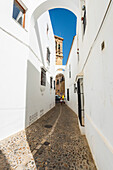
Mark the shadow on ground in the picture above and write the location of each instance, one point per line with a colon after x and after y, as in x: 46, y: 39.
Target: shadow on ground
x: 4, y: 164
x: 65, y: 148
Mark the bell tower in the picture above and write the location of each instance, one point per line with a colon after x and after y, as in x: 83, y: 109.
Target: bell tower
x: 59, y: 49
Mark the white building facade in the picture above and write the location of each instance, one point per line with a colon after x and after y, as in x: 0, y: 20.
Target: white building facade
x: 27, y: 49
x: 91, y: 70
x: 23, y: 99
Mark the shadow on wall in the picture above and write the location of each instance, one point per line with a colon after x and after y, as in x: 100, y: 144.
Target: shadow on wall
x: 37, y: 102
x: 4, y: 162
x: 32, y: 94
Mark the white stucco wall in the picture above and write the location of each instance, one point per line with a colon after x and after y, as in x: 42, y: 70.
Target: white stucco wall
x: 12, y: 84
x: 69, y: 83
x: 98, y: 87
x: 23, y: 53
x: 39, y: 102
x: 96, y: 66
x: 20, y: 69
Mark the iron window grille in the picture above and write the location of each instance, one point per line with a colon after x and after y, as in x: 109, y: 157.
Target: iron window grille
x: 75, y: 88
x: 48, y: 55
x: 43, y: 77
x: 51, y: 79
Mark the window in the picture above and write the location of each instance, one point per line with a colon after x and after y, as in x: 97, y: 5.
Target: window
x: 70, y: 71
x: 59, y: 47
x: 102, y: 45
x: 75, y: 88
x: 19, y: 13
x: 48, y: 55
x: 84, y: 19
x: 56, y: 45
x: 68, y: 94
x: 51, y: 79
x: 43, y: 77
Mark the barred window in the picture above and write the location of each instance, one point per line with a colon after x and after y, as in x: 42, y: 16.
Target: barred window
x: 75, y: 88
x: 48, y: 55
x: 51, y: 79
x: 43, y: 77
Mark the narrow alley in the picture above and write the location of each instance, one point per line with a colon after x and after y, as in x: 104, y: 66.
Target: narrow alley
x: 55, y: 143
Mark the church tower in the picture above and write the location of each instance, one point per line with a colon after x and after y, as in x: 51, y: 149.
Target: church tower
x: 59, y: 50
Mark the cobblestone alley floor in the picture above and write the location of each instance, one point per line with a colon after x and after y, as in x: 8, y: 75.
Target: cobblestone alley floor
x: 55, y: 143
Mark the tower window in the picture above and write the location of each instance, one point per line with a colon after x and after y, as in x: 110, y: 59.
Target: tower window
x: 19, y: 13
x: 59, y: 47
x: 56, y: 45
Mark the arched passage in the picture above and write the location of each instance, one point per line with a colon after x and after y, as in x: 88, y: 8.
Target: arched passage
x: 60, y: 85
x: 39, y: 7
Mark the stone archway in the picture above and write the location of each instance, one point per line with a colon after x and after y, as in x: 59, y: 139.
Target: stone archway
x: 60, y: 85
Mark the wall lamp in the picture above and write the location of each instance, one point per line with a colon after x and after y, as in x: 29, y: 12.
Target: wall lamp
x: 75, y: 88
x: 83, y: 8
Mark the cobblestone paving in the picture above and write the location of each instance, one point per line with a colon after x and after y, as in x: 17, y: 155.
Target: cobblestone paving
x: 67, y: 148
x: 63, y: 149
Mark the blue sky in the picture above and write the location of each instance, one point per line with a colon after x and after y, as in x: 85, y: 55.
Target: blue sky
x: 64, y: 25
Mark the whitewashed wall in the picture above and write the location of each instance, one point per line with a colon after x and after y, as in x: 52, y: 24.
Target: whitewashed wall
x: 13, y: 66
x: 21, y: 100
x: 39, y: 101
x: 69, y: 83
x: 96, y: 66
x: 20, y: 57
x: 20, y: 61
x: 98, y: 89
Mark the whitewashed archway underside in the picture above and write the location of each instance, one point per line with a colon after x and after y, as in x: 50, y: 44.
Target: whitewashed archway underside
x: 40, y: 6
x: 59, y: 69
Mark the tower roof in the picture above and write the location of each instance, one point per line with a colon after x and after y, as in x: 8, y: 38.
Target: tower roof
x: 58, y: 37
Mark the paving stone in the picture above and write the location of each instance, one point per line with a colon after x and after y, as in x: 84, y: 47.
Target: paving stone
x: 67, y: 149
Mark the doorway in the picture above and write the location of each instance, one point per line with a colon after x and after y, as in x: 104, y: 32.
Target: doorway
x: 80, y: 101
